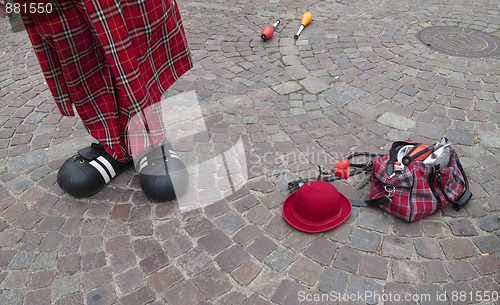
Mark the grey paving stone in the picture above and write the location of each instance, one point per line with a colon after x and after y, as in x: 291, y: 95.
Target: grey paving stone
x: 405, y: 271
x: 164, y: 279
x: 184, y: 293
x: 373, y: 221
x: 461, y: 271
x: 287, y: 293
x: 21, y: 260
x: 462, y: 227
x: 195, y: 261
x: 38, y: 297
x: 261, y: 247
x: 314, y: 85
x: 27, y: 160
x: 278, y: 227
x: 229, y: 222
x: 333, y: 280
x: 453, y: 290
x: 75, y: 298
x: 93, y: 261
x: 12, y: 296
x: 305, y: 271
x: 143, y: 247
x: 245, y: 203
x: 490, y: 140
x: 130, y: 280
x: 428, y: 247
x: 335, y: 97
x: 396, y: 121
x: 374, y: 267
x: 368, y: 290
x: 395, y: 293
x: 214, y: 242
x: 365, y: 240
x: 256, y: 300
x: 487, y: 264
x: 460, y: 137
x: 140, y: 296
x: 177, y: 245
x: 287, y: 87
x: 44, y: 260
x: 156, y: 261
x: 435, y: 271
x: 298, y: 240
x: 297, y: 72
x: 321, y: 250
x: 259, y: 215
x: 432, y: 295
x: 394, y: 246
x: 50, y: 242
x: 17, y: 279
x: 231, y: 258
x: 403, y: 228
x: 101, y: 296
x: 234, y: 297
x: 291, y: 60
x: 199, y: 226
x: 435, y: 229
x: 458, y: 248
x: 492, y: 187
x: 246, y: 272
x: 66, y: 285
x: 213, y: 283
x: 348, y: 259
x: 22, y: 185
x: 280, y: 258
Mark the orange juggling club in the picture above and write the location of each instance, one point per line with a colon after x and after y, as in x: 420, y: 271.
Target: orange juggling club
x: 306, y: 19
x: 268, y: 32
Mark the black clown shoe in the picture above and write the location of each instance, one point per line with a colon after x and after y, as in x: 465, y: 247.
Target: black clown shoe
x: 89, y: 171
x: 163, y: 176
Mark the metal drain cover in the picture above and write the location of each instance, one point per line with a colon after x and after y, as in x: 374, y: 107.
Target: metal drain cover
x: 459, y: 41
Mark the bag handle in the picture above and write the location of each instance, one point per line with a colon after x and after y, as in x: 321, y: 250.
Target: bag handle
x: 464, y: 197
x: 393, y: 154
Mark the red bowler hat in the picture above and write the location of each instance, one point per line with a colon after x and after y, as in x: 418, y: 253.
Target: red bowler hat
x: 317, y: 206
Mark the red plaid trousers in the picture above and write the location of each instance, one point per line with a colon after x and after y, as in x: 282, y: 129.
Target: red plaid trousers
x: 112, y: 60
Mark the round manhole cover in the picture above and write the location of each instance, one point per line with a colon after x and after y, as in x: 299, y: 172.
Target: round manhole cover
x: 459, y: 41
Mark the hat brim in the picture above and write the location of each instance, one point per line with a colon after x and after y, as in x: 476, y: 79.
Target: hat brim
x: 345, y: 204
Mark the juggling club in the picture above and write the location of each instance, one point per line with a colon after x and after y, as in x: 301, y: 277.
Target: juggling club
x: 304, y: 21
x: 268, y: 31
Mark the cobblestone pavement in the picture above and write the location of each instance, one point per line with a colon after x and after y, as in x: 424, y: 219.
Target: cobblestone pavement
x: 356, y: 80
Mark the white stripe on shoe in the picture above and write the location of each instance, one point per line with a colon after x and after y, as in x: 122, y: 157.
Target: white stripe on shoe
x: 101, y: 170
x: 173, y: 154
x: 108, y: 165
x: 144, y: 163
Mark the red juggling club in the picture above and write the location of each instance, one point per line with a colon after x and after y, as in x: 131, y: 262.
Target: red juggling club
x: 268, y: 32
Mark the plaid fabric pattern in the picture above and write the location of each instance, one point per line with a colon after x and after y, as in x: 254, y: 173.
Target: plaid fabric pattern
x: 111, y: 60
x: 413, y: 198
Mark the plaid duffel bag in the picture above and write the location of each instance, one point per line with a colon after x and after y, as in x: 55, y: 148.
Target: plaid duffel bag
x: 419, y: 179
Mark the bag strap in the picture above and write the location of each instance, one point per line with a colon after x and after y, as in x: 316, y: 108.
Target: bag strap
x: 436, y: 176
x: 371, y: 202
x: 361, y: 168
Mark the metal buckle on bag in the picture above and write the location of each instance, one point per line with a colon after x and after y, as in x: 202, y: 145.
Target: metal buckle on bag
x: 390, y: 189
